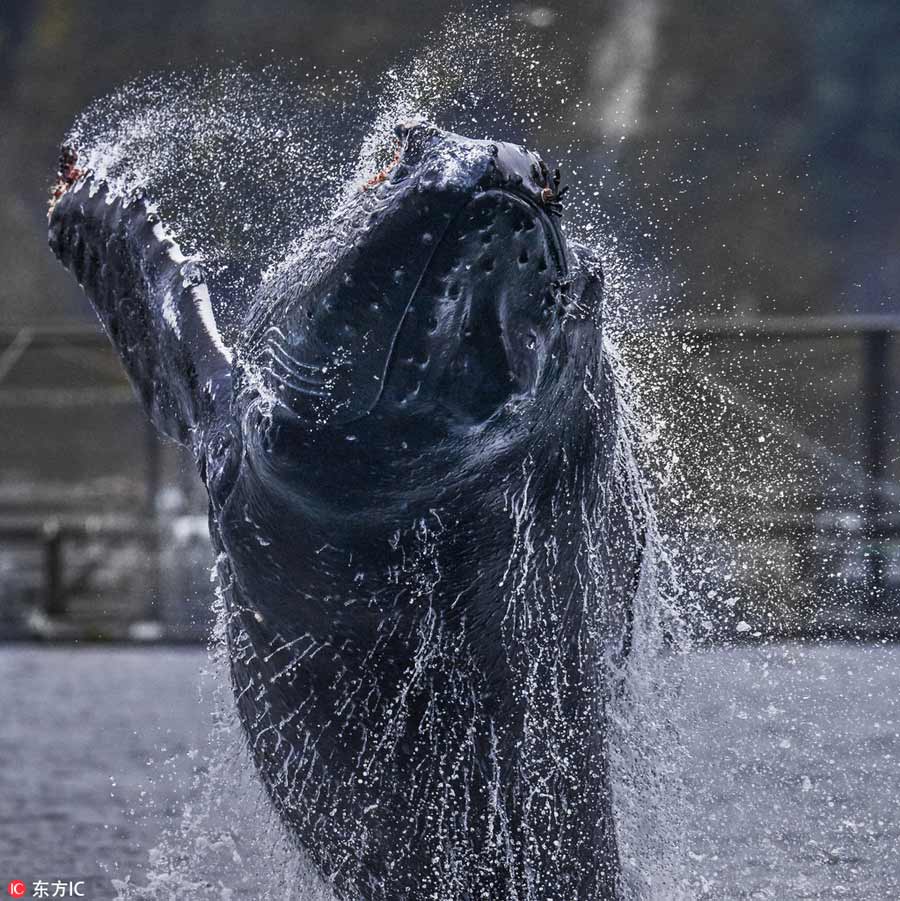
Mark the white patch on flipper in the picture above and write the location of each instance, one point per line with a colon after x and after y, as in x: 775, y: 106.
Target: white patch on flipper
x: 172, y: 249
x: 204, y: 308
x: 170, y: 313
x: 199, y: 293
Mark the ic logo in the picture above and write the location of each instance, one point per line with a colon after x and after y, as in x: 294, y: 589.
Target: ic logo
x: 17, y: 888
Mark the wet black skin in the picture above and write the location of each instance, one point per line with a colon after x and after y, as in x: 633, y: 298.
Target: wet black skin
x: 419, y: 668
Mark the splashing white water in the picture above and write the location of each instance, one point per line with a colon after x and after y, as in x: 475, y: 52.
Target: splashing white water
x: 227, y: 843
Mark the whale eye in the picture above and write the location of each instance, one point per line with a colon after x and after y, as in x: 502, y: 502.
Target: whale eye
x: 280, y: 438
x: 220, y: 464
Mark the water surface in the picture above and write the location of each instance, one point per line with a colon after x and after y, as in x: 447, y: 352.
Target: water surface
x: 792, y: 781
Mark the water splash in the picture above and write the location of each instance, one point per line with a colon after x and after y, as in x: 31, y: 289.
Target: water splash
x: 238, y: 161
x: 483, y: 76
x: 227, y: 842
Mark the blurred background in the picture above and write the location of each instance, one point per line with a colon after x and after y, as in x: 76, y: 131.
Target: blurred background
x: 762, y: 141
x: 745, y: 158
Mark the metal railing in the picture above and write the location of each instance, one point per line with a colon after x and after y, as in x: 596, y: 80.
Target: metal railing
x: 877, y: 334
x: 52, y: 532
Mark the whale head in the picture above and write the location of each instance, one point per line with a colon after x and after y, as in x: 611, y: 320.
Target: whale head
x: 440, y: 293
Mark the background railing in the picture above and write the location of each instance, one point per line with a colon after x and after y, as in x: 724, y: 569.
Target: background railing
x: 132, y: 558
x: 96, y: 558
x: 880, y: 382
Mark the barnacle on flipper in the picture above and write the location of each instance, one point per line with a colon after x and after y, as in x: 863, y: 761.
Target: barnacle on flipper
x: 67, y: 173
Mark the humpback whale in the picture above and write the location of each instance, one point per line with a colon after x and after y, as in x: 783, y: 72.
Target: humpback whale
x: 427, y: 561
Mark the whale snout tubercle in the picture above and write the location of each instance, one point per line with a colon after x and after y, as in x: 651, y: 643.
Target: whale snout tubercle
x: 382, y: 176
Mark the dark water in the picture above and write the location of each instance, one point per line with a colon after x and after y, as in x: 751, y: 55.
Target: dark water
x: 792, y: 783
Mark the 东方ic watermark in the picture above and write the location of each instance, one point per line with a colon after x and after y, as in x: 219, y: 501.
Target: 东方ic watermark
x: 46, y: 888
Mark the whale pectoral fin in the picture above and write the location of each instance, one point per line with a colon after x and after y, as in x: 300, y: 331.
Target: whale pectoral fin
x: 153, y: 302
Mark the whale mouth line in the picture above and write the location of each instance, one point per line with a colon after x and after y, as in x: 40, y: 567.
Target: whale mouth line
x: 558, y: 252
x: 389, y: 356
x: 498, y: 200
x: 550, y: 224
